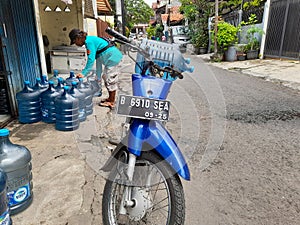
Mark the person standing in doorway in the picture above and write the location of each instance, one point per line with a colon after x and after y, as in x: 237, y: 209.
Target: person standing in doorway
x: 106, y: 54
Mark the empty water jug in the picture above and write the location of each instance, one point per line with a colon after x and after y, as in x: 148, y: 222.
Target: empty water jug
x: 4, y: 209
x: 71, y: 78
x: 60, y: 85
x: 29, y: 105
x: 15, y: 160
x: 87, y: 90
x: 44, y: 81
x: 48, y: 106
x: 38, y: 85
x: 54, y: 77
x: 95, y: 86
x: 81, y: 97
x: 66, y: 111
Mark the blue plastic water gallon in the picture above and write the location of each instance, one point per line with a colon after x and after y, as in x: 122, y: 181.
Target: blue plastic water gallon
x: 15, y: 160
x: 4, y: 209
x: 44, y: 81
x: 87, y: 90
x: 60, y: 85
x: 29, y: 105
x: 48, y: 106
x: 163, y: 54
x: 95, y: 86
x: 71, y: 78
x: 38, y: 85
x: 81, y: 97
x: 67, y: 111
x: 54, y: 77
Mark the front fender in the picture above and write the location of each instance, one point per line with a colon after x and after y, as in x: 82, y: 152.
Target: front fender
x: 153, y: 133
x: 114, y: 158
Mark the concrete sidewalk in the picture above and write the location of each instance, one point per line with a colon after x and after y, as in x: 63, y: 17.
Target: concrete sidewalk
x: 286, y: 72
x: 67, y: 181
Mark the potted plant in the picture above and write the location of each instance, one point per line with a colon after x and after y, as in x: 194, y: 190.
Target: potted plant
x: 199, y: 41
x: 226, y: 38
x: 197, y: 14
x: 241, y: 52
x: 251, y: 36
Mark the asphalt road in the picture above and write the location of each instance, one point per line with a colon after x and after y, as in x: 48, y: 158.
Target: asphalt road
x: 239, y: 134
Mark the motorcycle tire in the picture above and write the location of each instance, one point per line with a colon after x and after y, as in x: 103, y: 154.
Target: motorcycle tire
x: 165, y: 184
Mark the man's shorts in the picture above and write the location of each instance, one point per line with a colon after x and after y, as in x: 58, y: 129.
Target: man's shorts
x: 110, y: 77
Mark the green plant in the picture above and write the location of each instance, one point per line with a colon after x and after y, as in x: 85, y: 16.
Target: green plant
x: 197, y: 12
x: 150, y: 31
x: 241, y: 48
x: 159, y: 28
x: 253, y: 43
x: 199, y: 38
x: 226, y: 35
x: 253, y: 4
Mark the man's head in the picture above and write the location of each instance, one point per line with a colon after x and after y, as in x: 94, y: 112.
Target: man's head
x: 77, y: 37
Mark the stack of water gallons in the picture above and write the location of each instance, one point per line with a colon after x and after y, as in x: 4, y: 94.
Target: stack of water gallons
x: 164, y: 54
x: 15, y: 178
x: 63, y: 102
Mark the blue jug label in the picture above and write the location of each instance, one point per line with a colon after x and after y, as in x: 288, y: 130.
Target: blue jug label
x: 81, y: 113
x: 4, y: 218
x: 45, y: 112
x: 19, y: 195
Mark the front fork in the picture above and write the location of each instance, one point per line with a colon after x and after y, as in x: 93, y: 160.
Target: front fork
x: 126, y: 199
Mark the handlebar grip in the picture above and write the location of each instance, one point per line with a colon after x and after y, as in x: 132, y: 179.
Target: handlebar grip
x: 117, y: 35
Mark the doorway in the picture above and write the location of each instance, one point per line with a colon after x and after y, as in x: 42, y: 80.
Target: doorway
x: 5, y: 105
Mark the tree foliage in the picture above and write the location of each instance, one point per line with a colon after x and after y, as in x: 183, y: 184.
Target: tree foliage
x: 137, y: 11
x: 197, y: 13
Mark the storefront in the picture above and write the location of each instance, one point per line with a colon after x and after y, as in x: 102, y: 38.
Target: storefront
x: 29, y: 31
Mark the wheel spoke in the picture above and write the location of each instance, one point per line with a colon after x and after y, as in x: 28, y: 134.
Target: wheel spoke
x: 152, y: 192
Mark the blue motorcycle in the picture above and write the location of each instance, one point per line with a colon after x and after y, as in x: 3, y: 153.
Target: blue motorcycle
x: 144, y: 185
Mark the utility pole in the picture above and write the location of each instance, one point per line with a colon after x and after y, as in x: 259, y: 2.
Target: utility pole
x: 216, y: 25
x: 169, y: 23
x: 123, y: 17
x: 120, y: 12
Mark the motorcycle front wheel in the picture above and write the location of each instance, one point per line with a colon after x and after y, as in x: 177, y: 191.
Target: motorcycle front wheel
x: 156, y: 192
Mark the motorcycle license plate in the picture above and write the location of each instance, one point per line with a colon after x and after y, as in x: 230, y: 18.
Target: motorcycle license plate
x: 141, y: 107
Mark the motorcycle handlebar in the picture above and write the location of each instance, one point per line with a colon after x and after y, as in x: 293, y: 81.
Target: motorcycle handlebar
x: 124, y: 40
x: 117, y: 35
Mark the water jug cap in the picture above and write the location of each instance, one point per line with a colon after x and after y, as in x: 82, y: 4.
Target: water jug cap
x: 51, y: 82
x: 74, y: 83
x: 66, y: 88
x: 4, y: 132
x: 38, y: 79
x: 26, y: 82
x: 60, y: 79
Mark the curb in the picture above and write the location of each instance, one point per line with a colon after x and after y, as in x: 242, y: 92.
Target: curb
x: 285, y: 72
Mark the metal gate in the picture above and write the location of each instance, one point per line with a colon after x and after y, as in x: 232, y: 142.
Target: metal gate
x: 283, y: 32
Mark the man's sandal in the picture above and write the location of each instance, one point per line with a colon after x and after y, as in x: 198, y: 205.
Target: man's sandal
x: 107, y: 104
x: 104, y: 100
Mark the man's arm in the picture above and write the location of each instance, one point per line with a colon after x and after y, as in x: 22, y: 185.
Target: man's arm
x: 91, y: 56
